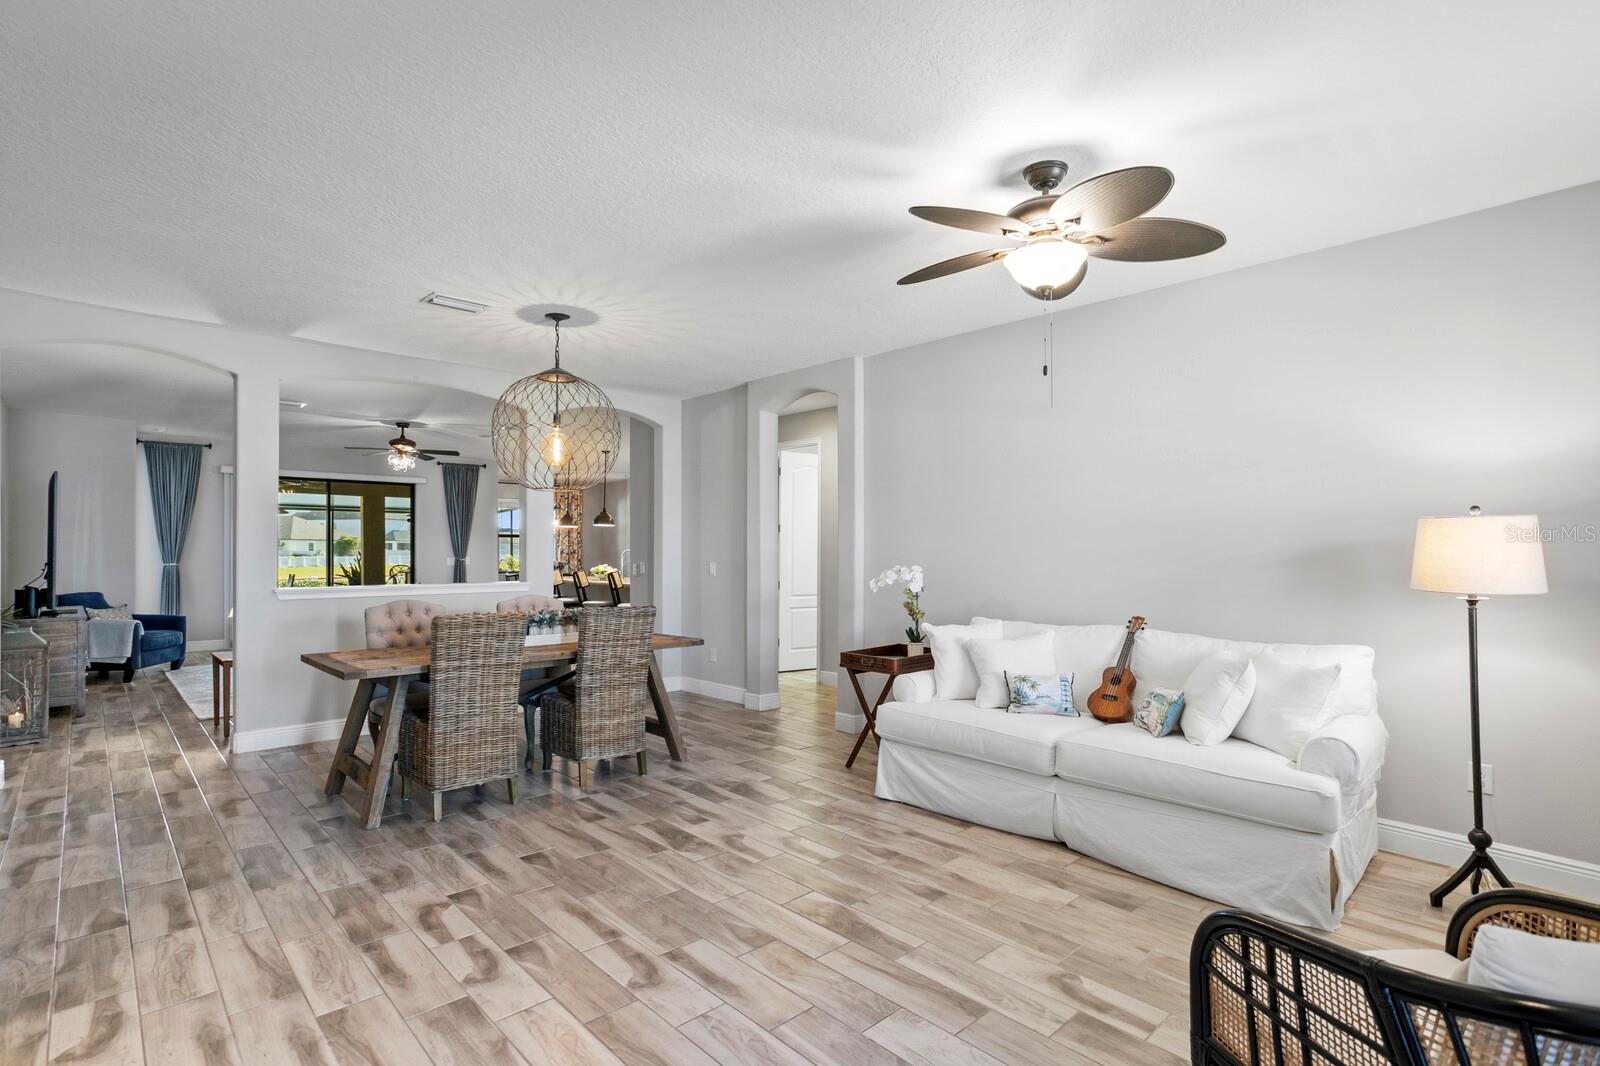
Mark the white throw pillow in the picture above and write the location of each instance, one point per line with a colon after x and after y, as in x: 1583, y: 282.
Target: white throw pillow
x: 953, y: 676
x: 1529, y: 965
x: 1291, y: 702
x: 991, y: 659
x: 1215, y: 697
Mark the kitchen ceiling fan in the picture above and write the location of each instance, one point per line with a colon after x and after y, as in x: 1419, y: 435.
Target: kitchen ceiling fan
x: 1057, y: 233
x: 402, y: 452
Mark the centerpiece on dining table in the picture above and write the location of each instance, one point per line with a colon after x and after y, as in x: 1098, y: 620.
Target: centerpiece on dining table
x: 552, y: 626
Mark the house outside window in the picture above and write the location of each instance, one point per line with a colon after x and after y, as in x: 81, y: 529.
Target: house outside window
x: 345, y: 532
x: 508, y: 537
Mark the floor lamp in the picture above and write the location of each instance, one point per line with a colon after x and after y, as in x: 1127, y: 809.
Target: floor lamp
x: 1473, y: 557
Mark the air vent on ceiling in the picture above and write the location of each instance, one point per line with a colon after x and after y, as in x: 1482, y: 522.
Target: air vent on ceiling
x: 454, y: 303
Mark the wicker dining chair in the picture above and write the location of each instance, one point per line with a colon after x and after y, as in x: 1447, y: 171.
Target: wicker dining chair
x: 465, y: 733
x: 600, y: 712
x: 1262, y: 993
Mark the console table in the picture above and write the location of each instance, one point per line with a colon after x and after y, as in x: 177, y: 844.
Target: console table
x: 889, y: 659
x: 67, y: 631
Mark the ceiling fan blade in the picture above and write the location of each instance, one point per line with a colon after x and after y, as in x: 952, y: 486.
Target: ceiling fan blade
x: 1150, y: 240
x: 441, y: 451
x: 373, y: 451
x: 1111, y: 199
x: 976, y: 221
x: 954, y: 266
x: 1064, y: 290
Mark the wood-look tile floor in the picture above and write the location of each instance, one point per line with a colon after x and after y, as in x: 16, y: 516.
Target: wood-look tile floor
x: 163, y: 902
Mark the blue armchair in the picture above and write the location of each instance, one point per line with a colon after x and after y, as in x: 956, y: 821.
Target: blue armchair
x: 159, y: 638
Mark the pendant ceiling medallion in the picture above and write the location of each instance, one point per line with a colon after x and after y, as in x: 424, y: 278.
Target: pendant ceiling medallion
x: 554, y: 430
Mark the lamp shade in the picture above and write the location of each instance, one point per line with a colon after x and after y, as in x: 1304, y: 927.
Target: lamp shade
x: 1479, y: 555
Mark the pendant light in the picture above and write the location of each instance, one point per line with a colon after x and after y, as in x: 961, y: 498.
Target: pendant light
x: 604, y: 519
x: 553, y: 429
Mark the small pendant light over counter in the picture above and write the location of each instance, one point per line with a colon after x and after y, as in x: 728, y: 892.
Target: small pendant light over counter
x: 553, y: 429
x: 604, y: 519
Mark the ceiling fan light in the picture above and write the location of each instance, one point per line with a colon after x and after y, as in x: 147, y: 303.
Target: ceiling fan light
x: 401, y: 461
x: 1045, y: 262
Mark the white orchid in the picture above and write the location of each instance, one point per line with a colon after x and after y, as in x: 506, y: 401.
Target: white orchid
x: 912, y: 576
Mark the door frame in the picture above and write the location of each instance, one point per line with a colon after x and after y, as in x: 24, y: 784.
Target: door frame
x: 815, y: 443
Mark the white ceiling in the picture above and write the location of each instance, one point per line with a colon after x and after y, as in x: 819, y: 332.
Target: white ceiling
x: 159, y: 393
x: 724, y: 184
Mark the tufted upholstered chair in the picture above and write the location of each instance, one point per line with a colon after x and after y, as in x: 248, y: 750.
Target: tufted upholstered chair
x: 402, y: 623
x: 399, y: 624
x: 529, y: 604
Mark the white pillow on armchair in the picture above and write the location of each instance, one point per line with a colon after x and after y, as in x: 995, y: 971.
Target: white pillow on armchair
x: 992, y: 659
x: 953, y: 675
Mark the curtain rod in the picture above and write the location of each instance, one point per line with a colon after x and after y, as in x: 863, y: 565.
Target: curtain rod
x: 141, y: 440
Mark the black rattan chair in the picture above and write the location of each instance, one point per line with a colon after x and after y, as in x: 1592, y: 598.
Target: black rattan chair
x: 1262, y: 993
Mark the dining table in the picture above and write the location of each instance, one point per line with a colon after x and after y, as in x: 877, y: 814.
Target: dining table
x: 396, y: 668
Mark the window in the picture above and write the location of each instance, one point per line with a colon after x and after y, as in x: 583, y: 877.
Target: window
x: 331, y: 532
x: 508, y: 538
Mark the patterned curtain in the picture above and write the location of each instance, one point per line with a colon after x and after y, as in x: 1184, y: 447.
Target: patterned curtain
x: 460, y: 495
x: 174, y: 471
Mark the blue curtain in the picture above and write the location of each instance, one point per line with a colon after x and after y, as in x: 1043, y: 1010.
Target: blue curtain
x: 174, y: 481
x: 460, y: 494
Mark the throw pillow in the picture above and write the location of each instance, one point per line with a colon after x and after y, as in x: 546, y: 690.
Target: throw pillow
x: 1291, y: 702
x: 1158, y: 712
x: 1529, y: 965
x: 994, y: 659
x: 953, y: 675
x: 1033, y: 694
x: 110, y: 612
x: 1215, y: 697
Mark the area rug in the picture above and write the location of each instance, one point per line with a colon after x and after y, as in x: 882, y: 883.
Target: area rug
x: 194, y: 685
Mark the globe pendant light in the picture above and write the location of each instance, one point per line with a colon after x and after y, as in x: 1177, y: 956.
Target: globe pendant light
x: 604, y: 519
x: 553, y: 429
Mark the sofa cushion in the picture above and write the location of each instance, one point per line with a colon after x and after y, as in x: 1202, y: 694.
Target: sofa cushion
x: 1233, y: 778
x: 960, y: 727
x: 155, y: 639
x: 1164, y: 659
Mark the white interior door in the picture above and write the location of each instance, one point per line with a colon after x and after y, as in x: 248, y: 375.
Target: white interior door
x: 799, y: 561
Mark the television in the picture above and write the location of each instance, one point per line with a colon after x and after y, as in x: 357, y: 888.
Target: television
x: 40, y: 593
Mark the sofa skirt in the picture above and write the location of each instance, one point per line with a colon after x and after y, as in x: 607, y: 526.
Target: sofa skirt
x: 1287, y: 874
x: 996, y: 796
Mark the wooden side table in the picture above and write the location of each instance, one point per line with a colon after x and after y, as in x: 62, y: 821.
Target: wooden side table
x: 222, y: 691
x: 889, y: 659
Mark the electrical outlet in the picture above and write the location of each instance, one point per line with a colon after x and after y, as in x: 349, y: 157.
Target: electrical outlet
x: 711, y: 654
x: 1488, y: 779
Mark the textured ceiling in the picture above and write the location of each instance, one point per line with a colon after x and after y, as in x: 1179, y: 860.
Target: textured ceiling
x: 724, y: 184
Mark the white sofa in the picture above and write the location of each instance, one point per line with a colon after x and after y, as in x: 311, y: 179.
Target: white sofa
x: 1231, y: 822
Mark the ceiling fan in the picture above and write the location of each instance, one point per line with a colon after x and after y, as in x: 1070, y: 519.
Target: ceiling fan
x: 1056, y: 233
x: 402, y: 452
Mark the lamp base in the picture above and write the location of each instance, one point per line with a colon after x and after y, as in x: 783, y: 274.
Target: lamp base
x: 1477, y: 864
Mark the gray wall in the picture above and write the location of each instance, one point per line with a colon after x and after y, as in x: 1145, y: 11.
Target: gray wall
x: 602, y: 545
x: 1246, y: 456
x: 824, y: 426
x: 644, y: 463
x: 714, y: 533
x: 95, y: 543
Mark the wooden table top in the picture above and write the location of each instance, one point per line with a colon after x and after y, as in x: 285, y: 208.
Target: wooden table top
x: 364, y: 663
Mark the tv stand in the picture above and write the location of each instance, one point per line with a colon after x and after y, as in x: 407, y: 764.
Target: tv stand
x: 66, y: 629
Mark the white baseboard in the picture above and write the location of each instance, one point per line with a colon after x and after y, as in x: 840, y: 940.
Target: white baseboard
x: 287, y: 736
x: 714, y: 689
x: 828, y: 677
x: 1523, y: 865
x: 761, y: 701
x: 849, y: 721
x: 207, y: 645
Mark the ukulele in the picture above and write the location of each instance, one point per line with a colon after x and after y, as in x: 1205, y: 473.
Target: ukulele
x: 1113, y: 700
